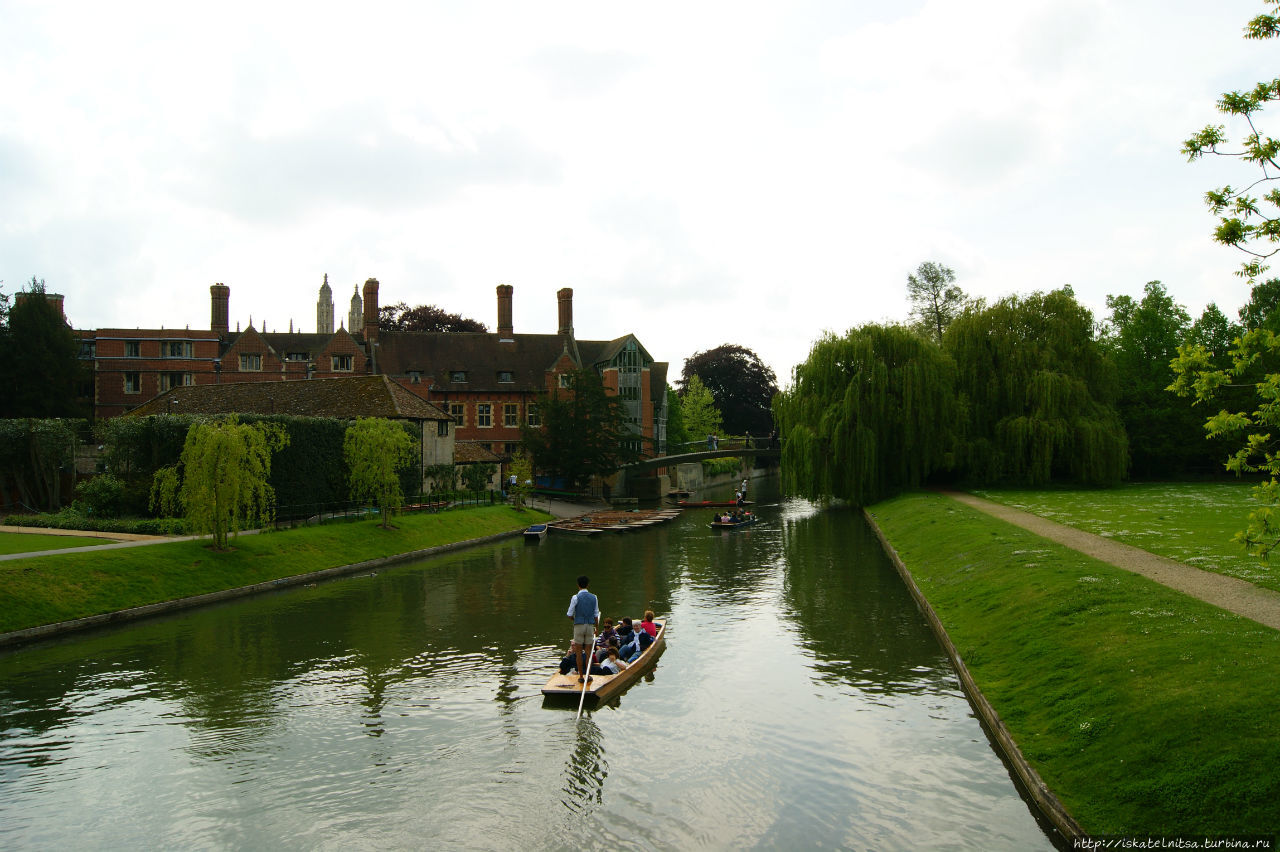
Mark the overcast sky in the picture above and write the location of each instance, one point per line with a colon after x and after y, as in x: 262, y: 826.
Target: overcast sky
x: 697, y: 173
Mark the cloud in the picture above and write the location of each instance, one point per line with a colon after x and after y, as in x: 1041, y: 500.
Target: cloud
x: 572, y: 71
x: 356, y: 158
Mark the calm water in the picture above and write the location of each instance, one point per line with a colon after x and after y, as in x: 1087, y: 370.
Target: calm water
x: 801, y: 703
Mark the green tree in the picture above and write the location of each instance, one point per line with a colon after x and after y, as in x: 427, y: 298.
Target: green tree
x: 867, y: 415
x: 1037, y: 393
x: 376, y: 450
x: 935, y: 300
x: 741, y: 384
x: 522, y: 469
x: 4, y: 309
x: 584, y: 431
x: 1142, y: 337
x: 1248, y: 216
x: 40, y: 365
x: 678, y: 436
x: 220, y: 483
x: 476, y: 477
x: 698, y: 409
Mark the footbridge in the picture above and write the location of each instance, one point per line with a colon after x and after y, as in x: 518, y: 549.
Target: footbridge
x: 645, y: 465
x: 640, y: 479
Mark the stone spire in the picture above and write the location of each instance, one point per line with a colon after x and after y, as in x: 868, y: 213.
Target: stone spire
x: 355, y: 319
x: 324, y: 308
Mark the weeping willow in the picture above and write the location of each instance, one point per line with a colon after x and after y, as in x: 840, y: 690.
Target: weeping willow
x: 867, y: 414
x: 1038, y: 394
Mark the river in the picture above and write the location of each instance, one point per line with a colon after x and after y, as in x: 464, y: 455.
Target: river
x: 802, y: 703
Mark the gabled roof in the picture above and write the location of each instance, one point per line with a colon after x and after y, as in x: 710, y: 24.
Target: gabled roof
x: 283, y: 343
x: 471, y: 452
x: 346, y: 397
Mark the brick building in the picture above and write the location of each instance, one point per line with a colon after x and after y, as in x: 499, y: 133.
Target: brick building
x: 488, y: 382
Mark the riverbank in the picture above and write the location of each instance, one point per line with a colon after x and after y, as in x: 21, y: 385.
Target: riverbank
x: 1145, y: 710
x: 86, y: 587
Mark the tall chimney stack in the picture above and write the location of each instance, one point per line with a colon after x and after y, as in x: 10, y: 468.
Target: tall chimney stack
x: 371, y: 310
x: 566, y: 311
x: 505, y: 329
x: 220, y: 297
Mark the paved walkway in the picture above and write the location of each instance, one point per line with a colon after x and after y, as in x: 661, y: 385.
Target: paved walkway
x: 1234, y: 595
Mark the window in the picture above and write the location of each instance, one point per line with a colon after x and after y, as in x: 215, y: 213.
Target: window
x: 510, y: 448
x: 296, y: 356
x: 177, y: 349
x: 566, y: 380
x: 133, y: 349
x: 457, y: 375
x: 459, y: 412
x: 484, y: 414
x: 132, y: 384
x: 504, y: 377
x: 250, y: 363
x: 510, y: 414
x: 415, y: 376
x: 342, y: 363
x: 175, y: 380
x: 531, y: 414
x: 88, y: 350
x: 442, y: 428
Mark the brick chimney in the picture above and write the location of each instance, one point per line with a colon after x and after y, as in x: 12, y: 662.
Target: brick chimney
x: 566, y: 311
x: 371, y: 310
x: 505, y: 330
x: 220, y: 297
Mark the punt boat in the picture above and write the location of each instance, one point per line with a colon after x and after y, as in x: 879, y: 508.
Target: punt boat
x: 535, y: 533
x: 604, y: 687
x: 733, y: 525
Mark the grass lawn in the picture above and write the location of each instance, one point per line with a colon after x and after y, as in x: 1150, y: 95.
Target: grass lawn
x: 46, y: 589
x: 1146, y: 711
x: 11, y: 542
x: 1189, y: 522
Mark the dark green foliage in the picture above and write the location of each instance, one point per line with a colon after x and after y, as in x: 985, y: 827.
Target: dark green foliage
x: 101, y: 496
x: 1037, y: 393
x: 584, y: 431
x: 401, y: 317
x: 475, y: 477
x: 868, y: 414
x: 40, y: 366
x: 1166, y: 436
x: 1261, y: 309
x: 69, y: 519
x: 741, y: 384
x: 35, y: 456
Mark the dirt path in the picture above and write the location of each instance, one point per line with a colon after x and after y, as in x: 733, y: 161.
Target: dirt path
x: 1229, y: 593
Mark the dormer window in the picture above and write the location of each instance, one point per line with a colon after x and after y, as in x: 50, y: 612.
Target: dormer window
x: 250, y: 363
x: 457, y: 375
x: 341, y: 363
x: 566, y: 380
x: 505, y: 377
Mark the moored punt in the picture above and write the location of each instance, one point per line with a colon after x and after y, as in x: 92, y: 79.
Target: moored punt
x: 713, y: 504
x: 536, y: 532
x: 604, y: 687
x: 574, y: 528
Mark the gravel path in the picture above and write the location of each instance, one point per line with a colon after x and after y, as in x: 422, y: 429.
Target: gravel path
x: 1229, y: 593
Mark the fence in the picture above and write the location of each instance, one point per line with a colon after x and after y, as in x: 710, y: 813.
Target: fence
x: 308, y: 514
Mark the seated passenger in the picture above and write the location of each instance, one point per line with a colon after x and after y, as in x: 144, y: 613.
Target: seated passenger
x: 625, y: 632
x: 648, y: 625
x: 607, y: 632
x: 642, y: 643
x: 612, y: 664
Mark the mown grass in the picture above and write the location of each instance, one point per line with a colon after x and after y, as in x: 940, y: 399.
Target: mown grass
x: 47, y: 589
x: 1146, y: 711
x: 11, y: 542
x: 1189, y: 522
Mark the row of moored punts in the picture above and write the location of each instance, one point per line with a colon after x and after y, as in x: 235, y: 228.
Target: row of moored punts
x: 608, y: 520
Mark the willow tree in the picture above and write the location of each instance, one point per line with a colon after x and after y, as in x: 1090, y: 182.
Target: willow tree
x: 867, y: 414
x: 1038, y: 393
x: 376, y: 450
x: 220, y: 483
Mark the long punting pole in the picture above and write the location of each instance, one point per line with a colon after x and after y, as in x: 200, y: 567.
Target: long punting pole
x: 586, y: 676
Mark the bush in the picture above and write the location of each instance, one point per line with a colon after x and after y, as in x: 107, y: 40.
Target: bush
x: 101, y: 497
x: 69, y: 519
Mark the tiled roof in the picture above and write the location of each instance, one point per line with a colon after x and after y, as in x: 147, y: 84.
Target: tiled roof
x: 348, y: 398
x: 467, y: 452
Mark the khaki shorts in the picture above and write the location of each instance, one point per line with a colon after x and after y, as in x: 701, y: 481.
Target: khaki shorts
x: 583, y: 634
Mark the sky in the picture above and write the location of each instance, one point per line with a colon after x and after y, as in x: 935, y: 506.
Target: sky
x: 698, y: 173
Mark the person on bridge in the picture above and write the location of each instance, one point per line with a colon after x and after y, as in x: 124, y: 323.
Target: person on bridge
x: 584, y: 609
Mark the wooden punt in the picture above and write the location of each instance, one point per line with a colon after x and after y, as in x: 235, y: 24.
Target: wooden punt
x: 536, y: 533
x: 604, y: 687
x: 574, y: 528
x: 733, y: 525
x: 714, y: 504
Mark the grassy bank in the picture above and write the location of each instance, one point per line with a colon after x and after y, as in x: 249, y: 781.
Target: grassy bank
x: 47, y: 589
x: 1145, y: 710
x: 11, y: 542
x: 1189, y: 522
